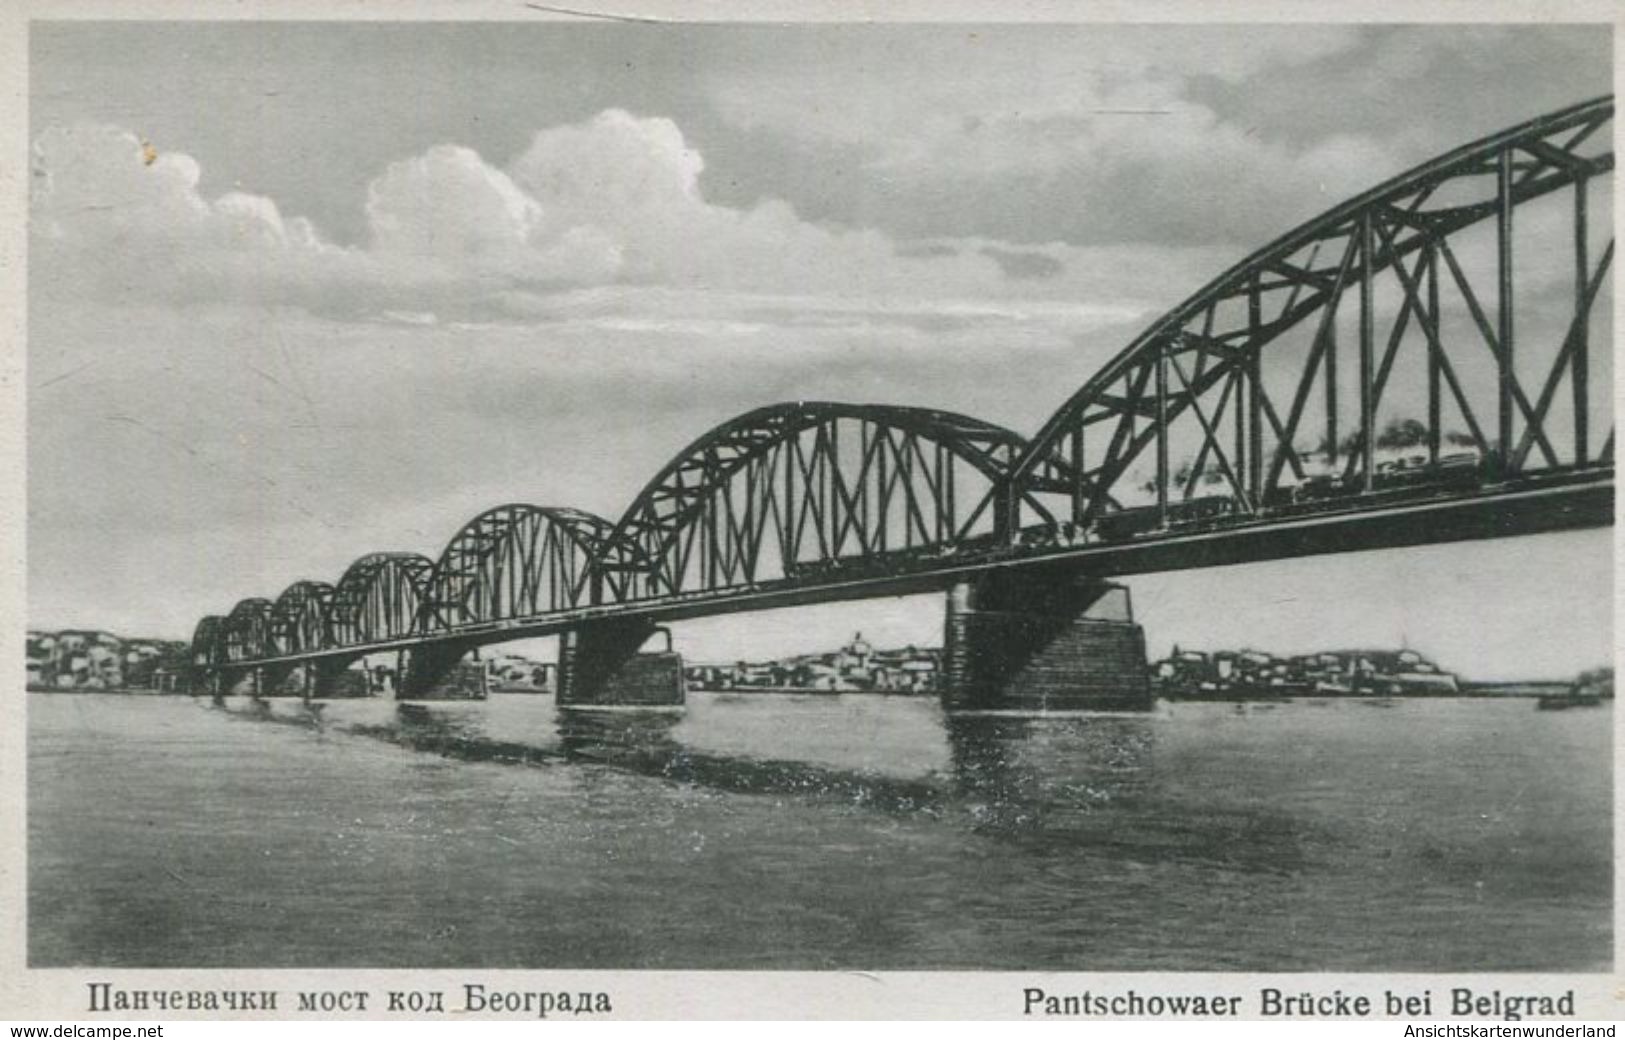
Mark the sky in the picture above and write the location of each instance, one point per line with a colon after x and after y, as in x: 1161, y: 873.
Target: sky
x: 299, y: 292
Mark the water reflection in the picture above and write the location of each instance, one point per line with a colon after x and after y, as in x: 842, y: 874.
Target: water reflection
x: 646, y: 743
x: 1094, y: 785
x: 451, y: 732
x: 618, y: 737
x: 1042, y: 786
x: 261, y: 709
x: 1024, y: 776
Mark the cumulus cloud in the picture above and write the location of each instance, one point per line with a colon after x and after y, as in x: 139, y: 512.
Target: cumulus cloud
x: 614, y: 200
x: 106, y: 210
x: 615, y: 169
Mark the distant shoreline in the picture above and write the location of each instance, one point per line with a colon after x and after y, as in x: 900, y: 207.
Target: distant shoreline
x: 1520, y: 688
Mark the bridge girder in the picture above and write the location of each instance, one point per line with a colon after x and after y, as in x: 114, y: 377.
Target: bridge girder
x: 377, y: 599
x: 518, y: 560
x: 792, y: 488
x: 207, y: 641
x: 837, y: 494
x: 247, y: 631
x: 300, y: 618
x: 1236, y: 374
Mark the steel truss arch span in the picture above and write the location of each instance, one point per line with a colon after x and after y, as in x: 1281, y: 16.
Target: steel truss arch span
x: 1442, y: 354
x: 247, y: 631
x: 208, y: 646
x: 377, y: 599
x: 516, y: 561
x: 796, y: 489
x: 301, y: 618
x: 1422, y: 294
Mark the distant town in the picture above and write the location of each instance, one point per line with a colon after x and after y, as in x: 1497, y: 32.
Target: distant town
x: 1182, y: 675
x: 76, y: 659
x: 1255, y: 675
x: 88, y: 660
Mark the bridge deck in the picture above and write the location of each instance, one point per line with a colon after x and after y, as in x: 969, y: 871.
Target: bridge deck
x: 1567, y: 501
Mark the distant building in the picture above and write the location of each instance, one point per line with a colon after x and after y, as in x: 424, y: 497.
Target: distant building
x: 515, y: 673
x: 1238, y: 673
x: 855, y: 667
x: 92, y: 660
x: 1597, y: 682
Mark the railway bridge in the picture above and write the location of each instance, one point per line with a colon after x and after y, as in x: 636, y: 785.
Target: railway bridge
x: 1429, y: 361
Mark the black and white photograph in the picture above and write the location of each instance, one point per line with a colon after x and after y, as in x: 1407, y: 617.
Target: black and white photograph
x: 610, y: 490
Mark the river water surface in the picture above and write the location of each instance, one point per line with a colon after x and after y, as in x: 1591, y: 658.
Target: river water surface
x: 817, y: 832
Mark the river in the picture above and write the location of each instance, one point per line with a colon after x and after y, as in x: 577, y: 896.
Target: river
x: 819, y: 832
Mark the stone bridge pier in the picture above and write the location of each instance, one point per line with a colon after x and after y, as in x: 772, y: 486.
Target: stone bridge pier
x: 241, y: 681
x: 312, y: 680
x: 602, y: 664
x: 1042, y: 642
x: 211, y: 681
x: 441, y: 672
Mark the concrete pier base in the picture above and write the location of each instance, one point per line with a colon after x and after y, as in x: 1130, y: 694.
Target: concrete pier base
x: 333, y: 681
x: 286, y: 680
x: 441, y: 672
x: 1042, y: 643
x: 241, y: 682
x: 602, y: 665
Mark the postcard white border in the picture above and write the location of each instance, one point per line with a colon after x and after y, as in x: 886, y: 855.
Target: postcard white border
x: 62, y: 993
